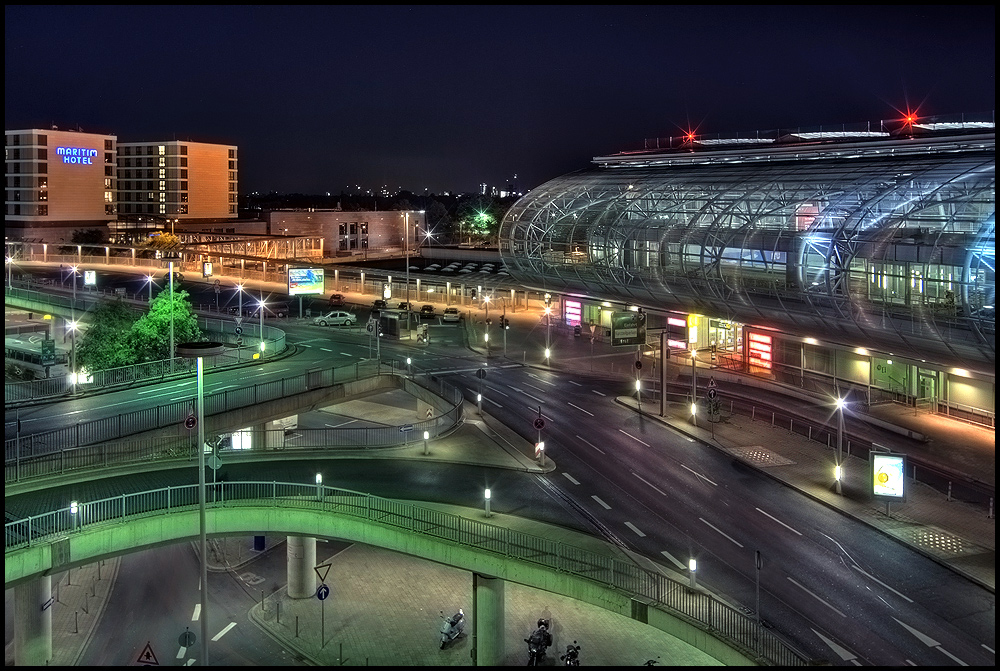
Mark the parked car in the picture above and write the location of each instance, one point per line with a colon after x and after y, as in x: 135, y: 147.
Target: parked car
x: 251, y: 309
x: 380, y: 305
x: 403, y: 305
x: 337, y: 300
x: 335, y: 318
x: 451, y: 315
x: 427, y: 311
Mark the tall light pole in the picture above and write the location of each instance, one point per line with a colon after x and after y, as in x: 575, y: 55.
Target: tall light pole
x: 171, y: 270
x: 72, y: 353
x: 406, y: 244
x: 239, y: 289
x: 840, y: 444
x: 694, y: 386
x: 149, y: 278
x: 262, y: 326
x: 486, y: 302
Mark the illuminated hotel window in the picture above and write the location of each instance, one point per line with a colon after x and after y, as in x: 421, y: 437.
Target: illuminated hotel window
x: 43, y: 195
x: 163, y: 173
x: 161, y: 150
x: 163, y: 208
x: 43, y: 210
x: 109, y: 158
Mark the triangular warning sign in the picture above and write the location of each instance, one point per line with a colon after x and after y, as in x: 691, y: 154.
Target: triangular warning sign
x: 147, y: 656
x: 322, y: 571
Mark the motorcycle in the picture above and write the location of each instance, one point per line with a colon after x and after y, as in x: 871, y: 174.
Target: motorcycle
x: 452, y: 627
x: 572, y: 655
x: 538, y: 642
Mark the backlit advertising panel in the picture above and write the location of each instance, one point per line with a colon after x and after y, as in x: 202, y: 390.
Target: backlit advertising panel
x: 888, y: 476
x: 305, y: 281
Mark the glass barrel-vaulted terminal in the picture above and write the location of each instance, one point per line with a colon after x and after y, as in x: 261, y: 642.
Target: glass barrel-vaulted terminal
x: 883, y: 237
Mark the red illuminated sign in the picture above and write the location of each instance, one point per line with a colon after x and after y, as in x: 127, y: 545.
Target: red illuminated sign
x: 759, y: 350
x: 574, y: 312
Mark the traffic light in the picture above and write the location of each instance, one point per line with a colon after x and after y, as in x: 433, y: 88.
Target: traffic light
x: 380, y: 333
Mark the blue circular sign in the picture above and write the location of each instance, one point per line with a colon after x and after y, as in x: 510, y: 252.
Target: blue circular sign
x: 322, y: 592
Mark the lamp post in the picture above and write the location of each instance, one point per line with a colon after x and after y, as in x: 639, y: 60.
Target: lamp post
x: 10, y: 270
x: 72, y: 353
x: 261, y: 326
x: 486, y: 498
x: 486, y: 302
x: 694, y: 387
x: 171, y: 271
x: 149, y: 278
x: 239, y: 290
x: 548, y: 324
x: 840, y: 444
x: 638, y: 393
x: 198, y: 350
x: 406, y: 244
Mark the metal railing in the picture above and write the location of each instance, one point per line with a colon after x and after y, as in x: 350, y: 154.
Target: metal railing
x: 28, y: 461
x: 701, y: 609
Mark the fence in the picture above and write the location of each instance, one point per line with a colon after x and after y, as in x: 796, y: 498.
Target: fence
x: 701, y: 609
x: 32, y: 458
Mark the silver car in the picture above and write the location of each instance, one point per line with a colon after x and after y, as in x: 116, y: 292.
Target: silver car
x: 335, y: 318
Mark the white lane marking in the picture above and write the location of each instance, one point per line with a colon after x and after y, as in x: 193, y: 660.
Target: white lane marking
x: 197, y: 609
x: 596, y: 498
x: 325, y: 349
x: 302, y: 344
x: 334, y: 426
x: 724, y: 534
x: 587, y: 442
x: 534, y: 387
x: 190, y: 662
x: 576, y: 383
x: 571, y: 478
x: 499, y: 392
x: 649, y: 483
x: 181, y: 652
x: 228, y: 386
x: 521, y: 391
x: 699, y: 475
x: 841, y: 651
x: 633, y: 528
x: 840, y: 546
x: 346, y: 354
x: 818, y: 598
x: 541, y: 380
x: 867, y: 575
x: 163, y: 389
x: 992, y: 651
x: 928, y: 641
x: 223, y: 632
x: 910, y: 662
x: 634, y: 438
x: 535, y: 409
x: 581, y: 409
x: 598, y: 393
x: 780, y: 522
x: 676, y: 562
x: 492, y: 401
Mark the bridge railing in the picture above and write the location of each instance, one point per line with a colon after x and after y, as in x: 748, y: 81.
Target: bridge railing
x: 22, y: 465
x: 656, y: 590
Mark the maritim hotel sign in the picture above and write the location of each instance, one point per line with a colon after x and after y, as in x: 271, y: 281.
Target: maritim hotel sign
x: 76, y: 155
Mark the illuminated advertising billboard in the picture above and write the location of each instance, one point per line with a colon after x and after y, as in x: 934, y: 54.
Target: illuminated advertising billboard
x: 628, y: 328
x: 574, y: 312
x: 759, y: 350
x: 305, y: 281
x: 888, y: 476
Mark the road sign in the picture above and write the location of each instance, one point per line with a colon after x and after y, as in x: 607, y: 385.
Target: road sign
x: 322, y: 592
x: 48, y: 352
x: 214, y: 463
x: 190, y: 422
x: 147, y: 656
x: 711, y: 383
x: 239, y: 330
x: 638, y: 365
x: 538, y: 423
x: 481, y: 373
x: 370, y: 327
x: 405, y: 428
x: 322, y: 571
x: 238, y: 320
x: 712, y: 394
x: 430, y: 413
x: 239, y: 342
x: 187, y: 639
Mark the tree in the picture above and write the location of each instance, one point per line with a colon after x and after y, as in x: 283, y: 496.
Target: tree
x: 150, y: 335
x: 106, y: 342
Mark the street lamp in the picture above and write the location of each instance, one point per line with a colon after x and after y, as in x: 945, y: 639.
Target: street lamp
x: 486, y: 498
x: 486, y: 302
x: 10, y: 270
x: 239, y: 290
x: 548, y: 329
x: 261, y: 303
x: 72, y: 355
x: 198, y: 350
x: 694, y: 387
x: 839, y: 473
x: 638, y: 394
x: 406, y: 244
x: 149, y: 278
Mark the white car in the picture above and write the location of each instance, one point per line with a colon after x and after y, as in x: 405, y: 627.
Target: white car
x: 451, y: 315
x: 335, y: 318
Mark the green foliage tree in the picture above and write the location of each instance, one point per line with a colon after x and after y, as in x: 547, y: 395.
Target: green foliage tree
x: 150, y: 335
x: 106, y: 342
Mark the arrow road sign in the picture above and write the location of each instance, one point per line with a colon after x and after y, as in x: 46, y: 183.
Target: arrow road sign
x: 405, y: 428
x: 239, y: 330
x: 712, y: 394
x: 322, y: 592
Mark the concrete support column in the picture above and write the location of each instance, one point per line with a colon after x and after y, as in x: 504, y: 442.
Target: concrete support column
x: 258, y: 436
x: 301, y: 562
x: 33, y: 622
x: 488, y: 618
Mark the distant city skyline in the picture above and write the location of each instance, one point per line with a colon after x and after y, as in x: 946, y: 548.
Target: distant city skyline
x: 434, y: 99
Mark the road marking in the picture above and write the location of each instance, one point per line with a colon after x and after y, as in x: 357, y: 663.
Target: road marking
x: 163, y: 389
x: 346, y: 354
x: 181, y: 652
x: 553, y: 384
x: 302, y: 344
x: 534, y: 387
x: 649, y: 483
x: 228, y: 386
x: 699, y: 475
x: 492, y: 401
x: 571, y: 478
x: 897, y: 593
x: 190, y: 662
x: 197, y: 610
x: 781, y: 523
x: 676, y: 562
x: 223, y: 632
x: 992, y: 651
x: 334, y: 426
x: 820, y: 599
x: 633, y: 528
x: 521, y: 391
x: 722, y: 532
x: 576, y: 383
x: 598, y: 393
x: 500, y: 392
x: 584, y: 440
x: 844, y: 653
x: 325, y: 349
x: 581, y: 409
x: 928, y: 641
x: 634, y: 438
x: 606, y: 506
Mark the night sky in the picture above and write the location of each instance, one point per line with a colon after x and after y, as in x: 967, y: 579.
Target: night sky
x: 444, y: 98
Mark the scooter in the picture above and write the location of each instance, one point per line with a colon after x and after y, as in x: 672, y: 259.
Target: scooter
x: 572, y: 655
x: 452, y: 627
x: 538, y: 642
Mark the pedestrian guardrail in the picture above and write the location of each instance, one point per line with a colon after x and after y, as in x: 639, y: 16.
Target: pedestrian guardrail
x: 720, y: 620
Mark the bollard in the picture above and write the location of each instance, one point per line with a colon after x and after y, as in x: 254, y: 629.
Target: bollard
x: 753, y: 412
x: 278, y: 615
x: 76, y: 621
x: 949, y: 491
x: 990, y: 516
x: 296, y: 626
x: 262, y: 609
x: 810, y: 433
x: 772, y: 419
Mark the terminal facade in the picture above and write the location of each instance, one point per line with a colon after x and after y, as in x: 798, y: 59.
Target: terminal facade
x: 849, y: 262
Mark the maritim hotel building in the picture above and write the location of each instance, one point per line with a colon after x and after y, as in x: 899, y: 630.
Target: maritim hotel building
x: 59, y: 181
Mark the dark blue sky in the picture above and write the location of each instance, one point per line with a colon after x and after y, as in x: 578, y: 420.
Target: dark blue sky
x: 443, y: 98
